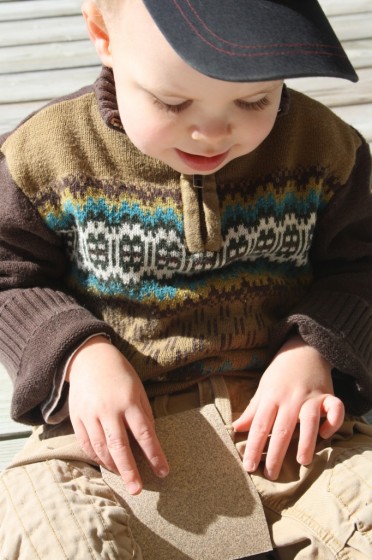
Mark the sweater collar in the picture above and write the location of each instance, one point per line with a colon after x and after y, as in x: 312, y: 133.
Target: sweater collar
x: 105, y: 91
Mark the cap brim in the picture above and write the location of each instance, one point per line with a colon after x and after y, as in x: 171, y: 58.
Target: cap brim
x: 255, y: 40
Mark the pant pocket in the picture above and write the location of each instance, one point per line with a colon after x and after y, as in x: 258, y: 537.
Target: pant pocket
x: 63, y: 511
x: 351, y: 485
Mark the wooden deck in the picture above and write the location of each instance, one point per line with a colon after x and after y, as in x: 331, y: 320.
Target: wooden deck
x: 45, y: 53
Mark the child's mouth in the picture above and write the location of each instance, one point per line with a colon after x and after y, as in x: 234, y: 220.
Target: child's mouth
x: 202, y: 163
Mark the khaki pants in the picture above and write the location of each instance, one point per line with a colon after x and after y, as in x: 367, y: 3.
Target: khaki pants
x: 55, y: 504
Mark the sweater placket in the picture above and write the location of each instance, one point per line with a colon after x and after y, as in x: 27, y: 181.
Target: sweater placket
x: 201, y: 212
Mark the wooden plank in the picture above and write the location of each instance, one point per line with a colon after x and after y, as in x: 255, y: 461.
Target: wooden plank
x: 67, y: 54
x: 12, y: 435
x: 359, y: 116
x: 38, y: 86
x: 359, y: 52
x: 352, y: 26
x: 8, y: 428
x: 8, y: 449
x: 6, y: 425
x: 13, y: 113
x: 334, y: 92
x: 10, y: 11
x: 337, y: 7
x: 37, y: 31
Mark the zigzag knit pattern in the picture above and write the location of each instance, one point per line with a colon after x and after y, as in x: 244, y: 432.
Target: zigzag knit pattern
x: 124, y: 245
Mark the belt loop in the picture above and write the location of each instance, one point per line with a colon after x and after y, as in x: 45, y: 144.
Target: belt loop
x: 222, y: 401
x: 206, y: 393
x: 160, y: 406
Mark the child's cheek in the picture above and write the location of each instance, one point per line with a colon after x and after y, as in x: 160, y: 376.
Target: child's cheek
x: 153, y: 138
x: 149, y: 140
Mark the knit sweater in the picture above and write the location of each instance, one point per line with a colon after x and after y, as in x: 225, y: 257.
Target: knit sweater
x: 189, y: 276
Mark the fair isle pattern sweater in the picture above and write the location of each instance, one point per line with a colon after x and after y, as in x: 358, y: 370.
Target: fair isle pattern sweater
x: 189, y: 276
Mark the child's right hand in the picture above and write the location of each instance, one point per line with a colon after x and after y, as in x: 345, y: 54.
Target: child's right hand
x: 106, y: 400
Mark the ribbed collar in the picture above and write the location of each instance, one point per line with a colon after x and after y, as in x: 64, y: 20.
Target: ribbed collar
x: 104, y: 88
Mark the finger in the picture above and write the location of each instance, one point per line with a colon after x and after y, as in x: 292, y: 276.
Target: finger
x: 335, y: 414
x: 143, y: 430
x: 84, y: 441
x: 309, y: 429
x: 119, y: 448
x: 281, y: 435
x: 257, y: 436
x: 244, y: 422
x: 94, y: 445
x: 145, y: 404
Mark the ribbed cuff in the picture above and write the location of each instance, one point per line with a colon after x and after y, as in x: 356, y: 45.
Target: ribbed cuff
x: 339, y: 326
x: 39, y: 329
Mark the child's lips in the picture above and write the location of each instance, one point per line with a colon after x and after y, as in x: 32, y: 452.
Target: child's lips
x: 202, y: 163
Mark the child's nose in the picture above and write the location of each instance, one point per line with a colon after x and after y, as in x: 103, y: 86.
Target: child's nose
x: 212, y: 131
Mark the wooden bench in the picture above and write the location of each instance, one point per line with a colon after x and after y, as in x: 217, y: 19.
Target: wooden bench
x: 45, y: 53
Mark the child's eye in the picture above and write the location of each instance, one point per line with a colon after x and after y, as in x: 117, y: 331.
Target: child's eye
x: 172, y: 108
x: 253, y: 106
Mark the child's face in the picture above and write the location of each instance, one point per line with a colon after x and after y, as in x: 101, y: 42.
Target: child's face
x: 194, y: 123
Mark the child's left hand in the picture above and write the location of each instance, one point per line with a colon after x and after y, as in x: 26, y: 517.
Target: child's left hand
x: 296, y: 387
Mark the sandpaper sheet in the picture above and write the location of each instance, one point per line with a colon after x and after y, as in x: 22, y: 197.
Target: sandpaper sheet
x: 207, y: 508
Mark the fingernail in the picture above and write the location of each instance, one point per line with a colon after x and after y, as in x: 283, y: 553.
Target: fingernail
x: 249, y: 465
x: 133, y: 487
x: 163, y: 472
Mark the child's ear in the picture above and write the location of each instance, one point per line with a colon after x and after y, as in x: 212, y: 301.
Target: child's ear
x: 98, y: 32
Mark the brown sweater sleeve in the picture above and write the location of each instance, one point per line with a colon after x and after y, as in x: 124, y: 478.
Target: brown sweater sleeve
x: 40, y: 324
x: 336, y: 315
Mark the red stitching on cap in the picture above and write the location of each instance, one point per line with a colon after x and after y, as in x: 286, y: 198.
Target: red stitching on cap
x: 273, y: 45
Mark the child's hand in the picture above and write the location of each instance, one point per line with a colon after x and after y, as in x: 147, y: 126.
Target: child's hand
x: 106, y: 401
x: 297, y: 386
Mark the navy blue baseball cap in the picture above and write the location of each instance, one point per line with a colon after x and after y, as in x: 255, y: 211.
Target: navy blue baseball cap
x: 252, y: 40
